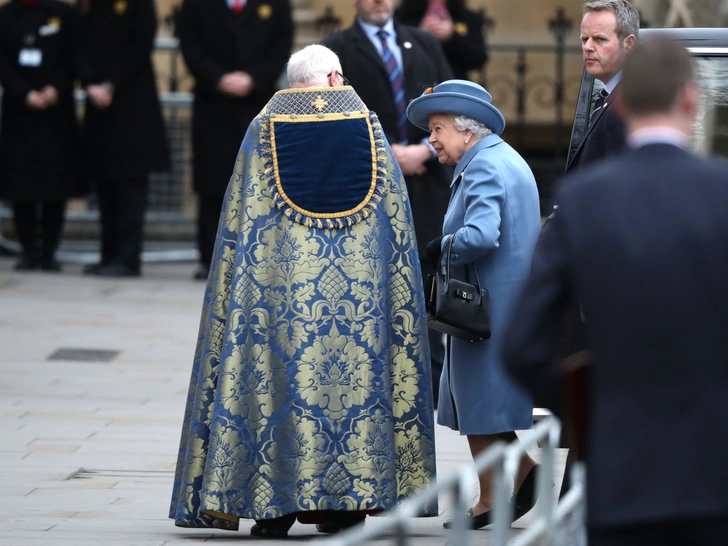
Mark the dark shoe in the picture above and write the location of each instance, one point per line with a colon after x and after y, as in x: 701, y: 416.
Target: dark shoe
x: 25, y: 263
x: 91, y: 269
x: 328, y: 527
x: 52, y: 265
x: 117, y: 270
x: 202, y: 273
x: 476, y: 522
x: 526, y: 497
x: 339, y: 521
x: 267, y: 532
x: 273, y: 528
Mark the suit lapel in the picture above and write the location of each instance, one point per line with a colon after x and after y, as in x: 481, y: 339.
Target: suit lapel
x: 404, y: 37
x: 248, y: 12
x: 592, y: 123
x: 365, y: 46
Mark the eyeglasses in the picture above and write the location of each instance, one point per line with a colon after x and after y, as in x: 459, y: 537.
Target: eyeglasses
x: 343, y: 78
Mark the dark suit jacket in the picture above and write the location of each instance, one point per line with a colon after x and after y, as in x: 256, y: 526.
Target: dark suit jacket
x: 215, y: 41
x: 642, y: 241
x: 424, y: 66
x: 603, y: 138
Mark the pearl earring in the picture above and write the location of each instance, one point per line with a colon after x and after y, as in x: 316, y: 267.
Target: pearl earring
x: 467, y: 140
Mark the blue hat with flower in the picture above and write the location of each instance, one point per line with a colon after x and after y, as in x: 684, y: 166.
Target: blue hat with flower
x: 456, y: 97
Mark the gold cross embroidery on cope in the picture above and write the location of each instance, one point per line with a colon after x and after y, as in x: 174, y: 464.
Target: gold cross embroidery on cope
x: 320, y: 103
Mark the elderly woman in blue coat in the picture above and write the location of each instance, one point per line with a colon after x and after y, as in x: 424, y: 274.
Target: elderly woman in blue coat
x: 493, y: 219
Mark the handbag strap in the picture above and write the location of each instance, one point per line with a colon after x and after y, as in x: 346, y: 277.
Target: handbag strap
x: 448, y: 251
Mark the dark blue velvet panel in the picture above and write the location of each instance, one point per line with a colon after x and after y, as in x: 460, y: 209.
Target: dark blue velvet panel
x: 337, y: 171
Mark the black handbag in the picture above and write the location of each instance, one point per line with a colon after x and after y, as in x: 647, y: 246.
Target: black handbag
x: 457, y: 308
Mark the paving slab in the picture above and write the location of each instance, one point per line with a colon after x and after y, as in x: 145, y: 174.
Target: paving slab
x: 88, y: 449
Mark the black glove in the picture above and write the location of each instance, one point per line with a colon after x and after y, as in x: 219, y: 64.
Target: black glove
x: 434, y: 251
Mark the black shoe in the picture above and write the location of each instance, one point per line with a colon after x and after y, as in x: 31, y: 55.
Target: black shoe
x: 92, y: 269
x: 202, y: 273
x: 273, y: 528
x: 476, y: 522
x: 268, y: 532
x: 25, y: 263
x: 117, y: 270
x: 52, y: 265
x: 526, y: 497
x: 328, y: 527
x: 339, y: 521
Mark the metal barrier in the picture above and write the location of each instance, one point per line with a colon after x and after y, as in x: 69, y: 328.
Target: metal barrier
x: 171, y: 202
x: 554, y: 524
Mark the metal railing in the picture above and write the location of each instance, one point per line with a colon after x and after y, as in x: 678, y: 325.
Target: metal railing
x: 553, y: 524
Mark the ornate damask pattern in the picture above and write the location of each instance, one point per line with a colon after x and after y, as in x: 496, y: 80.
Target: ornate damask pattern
x: 310, y: 387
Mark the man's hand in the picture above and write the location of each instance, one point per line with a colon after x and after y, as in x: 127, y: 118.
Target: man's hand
x: 236, y: 84
x: 35, y: 100
x: 101, y: 95
x: 411, y: 158
x: 50, y: 94
x: 440, y: 28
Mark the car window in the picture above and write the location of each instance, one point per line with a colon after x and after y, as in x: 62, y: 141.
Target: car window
x: 710, y: 132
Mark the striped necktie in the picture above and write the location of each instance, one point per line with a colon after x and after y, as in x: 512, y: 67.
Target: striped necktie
x: 397, y: 80
x: 600, y: 103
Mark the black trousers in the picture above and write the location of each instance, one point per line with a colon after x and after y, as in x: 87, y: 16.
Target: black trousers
x: 122, y: 205
x: 39, y: 225
x: 208, y: 218
x: 707, y: 531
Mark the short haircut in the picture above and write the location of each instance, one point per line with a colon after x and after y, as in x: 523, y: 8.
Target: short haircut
x: 311, y: 65
x: 628, y: 18
x: 654, y: 73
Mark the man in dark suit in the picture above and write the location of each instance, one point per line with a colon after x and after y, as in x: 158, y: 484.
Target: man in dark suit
x: 641, y: 241
x: 609, y: 29
x: 123, y: 128
x: 236, y: 50
x: 416, y: 61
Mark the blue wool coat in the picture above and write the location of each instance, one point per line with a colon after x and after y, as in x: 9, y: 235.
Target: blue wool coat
x: 494, y: 218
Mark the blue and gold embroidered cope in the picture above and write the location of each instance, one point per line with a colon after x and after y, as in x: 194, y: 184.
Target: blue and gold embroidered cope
x: 310, y: 387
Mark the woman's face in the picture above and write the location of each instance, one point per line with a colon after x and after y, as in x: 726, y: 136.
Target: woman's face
x: 449, y: 143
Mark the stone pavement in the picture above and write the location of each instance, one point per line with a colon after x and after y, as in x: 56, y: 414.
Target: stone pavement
x: 88, y: 447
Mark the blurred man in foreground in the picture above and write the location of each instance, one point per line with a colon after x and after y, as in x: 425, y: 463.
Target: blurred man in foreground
x: 310, y: 396
x: 641, y: 240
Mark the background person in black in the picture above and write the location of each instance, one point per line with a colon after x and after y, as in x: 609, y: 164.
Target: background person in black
x: 236, y: 54
x: 459, y: 30
x: 123, y: 128
x: 39, y: 133
x: 424, y: 65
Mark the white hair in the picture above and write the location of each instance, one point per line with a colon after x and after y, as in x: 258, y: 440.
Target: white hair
x: 311, y: 65
x: 463, y: 123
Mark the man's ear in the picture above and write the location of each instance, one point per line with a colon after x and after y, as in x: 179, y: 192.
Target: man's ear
x: 630, y: 41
